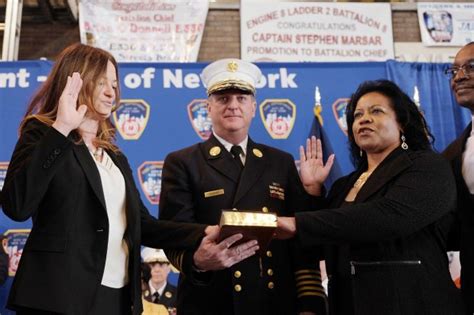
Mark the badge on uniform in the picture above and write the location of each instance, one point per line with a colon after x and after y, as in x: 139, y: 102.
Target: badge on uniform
x: 213, y: 193
x: 215, y: 151
x: 257, y: 152
x: 276, y: 191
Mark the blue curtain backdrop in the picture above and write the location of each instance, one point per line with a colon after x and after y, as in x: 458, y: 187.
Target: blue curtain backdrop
x: 445, y: 118
x: 163, y: 110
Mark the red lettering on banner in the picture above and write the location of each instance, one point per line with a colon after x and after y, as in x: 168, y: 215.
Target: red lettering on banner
x: 362, y: 19
x: 361, y: 40
x: 331, y: 52
x: 163, y: 18
x: 133, y: 18
x: 262, y: 19
x: 189, y: 28
x: 142, y: 6
x: 304, y: 10
x: 316, y: 39
x: 378, y: 53
x: 89, y: 27
x: 272, y: 50
x: 274, y: 38
x: 122, y: 46
x: 135, y: 28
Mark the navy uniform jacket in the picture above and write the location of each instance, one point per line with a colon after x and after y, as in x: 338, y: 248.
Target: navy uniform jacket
x: 56, y: 182
x: 395, y: 262
x: 463, y: 232
x: 197, y: 184
x: 168, y: 298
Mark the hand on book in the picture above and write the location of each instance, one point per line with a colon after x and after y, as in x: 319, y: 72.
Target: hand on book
x: 216, y: 256
x: 286, y: 228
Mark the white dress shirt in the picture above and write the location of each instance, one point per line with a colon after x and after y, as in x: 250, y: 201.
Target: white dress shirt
x: 468, y: 162
x: 227, y: 145
x: 113, y: 185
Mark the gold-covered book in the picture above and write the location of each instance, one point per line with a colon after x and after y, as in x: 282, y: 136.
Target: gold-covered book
x: 253, y: 225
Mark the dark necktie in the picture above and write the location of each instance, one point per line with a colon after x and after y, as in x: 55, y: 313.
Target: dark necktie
x: 236, y: 151
x: 156, y: 297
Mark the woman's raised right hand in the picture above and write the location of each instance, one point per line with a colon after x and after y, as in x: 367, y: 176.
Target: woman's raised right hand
x: 313, y: 171
x: 69, y: 116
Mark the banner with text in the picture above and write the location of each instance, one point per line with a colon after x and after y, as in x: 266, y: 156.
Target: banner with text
x: 144, y: 30
x: 296, y: 31
x: 446, y: 24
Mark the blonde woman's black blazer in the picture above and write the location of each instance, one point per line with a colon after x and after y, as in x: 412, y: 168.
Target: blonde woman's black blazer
x: 56, y: 183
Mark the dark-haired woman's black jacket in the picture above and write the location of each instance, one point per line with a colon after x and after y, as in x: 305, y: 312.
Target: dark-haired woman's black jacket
x: 388, y: 249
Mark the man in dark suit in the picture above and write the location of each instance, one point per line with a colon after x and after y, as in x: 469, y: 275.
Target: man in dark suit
x: 460, y: 153
x: 157, y: 289
x: 230, y: 171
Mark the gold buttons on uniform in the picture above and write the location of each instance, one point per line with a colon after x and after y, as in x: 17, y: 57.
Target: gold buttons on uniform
x: 265, y: 209
x: 270, y: 272
x: 271, y: 285
x: 237, y: 274
x: 237, y: 288
x: 215, y: 151
x: 257, y: 153
x: 269, y: 253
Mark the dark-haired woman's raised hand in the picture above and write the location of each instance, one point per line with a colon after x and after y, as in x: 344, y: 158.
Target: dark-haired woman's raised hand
x: 313, y: 171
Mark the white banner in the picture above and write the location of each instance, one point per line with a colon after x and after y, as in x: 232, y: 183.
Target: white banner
x: 300, y: 31
x: 446, y: 24
x: 144, y: 30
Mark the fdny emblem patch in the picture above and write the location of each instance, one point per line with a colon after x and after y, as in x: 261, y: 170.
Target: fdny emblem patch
x: 13, y: 244
x: 3, y: 173
x: 339, y: 110
x: 149, y: 174
x: 199, y: 118
x: 131, y: 118
x: 278, y: 117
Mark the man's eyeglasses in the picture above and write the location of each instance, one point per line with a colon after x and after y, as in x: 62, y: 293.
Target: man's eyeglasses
x: 467, y: 69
